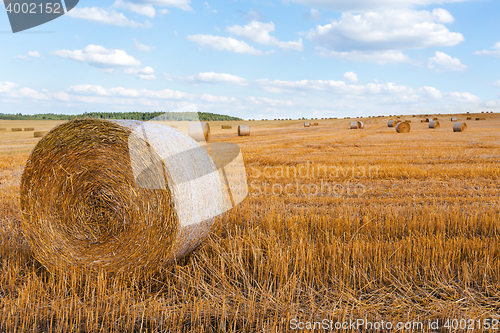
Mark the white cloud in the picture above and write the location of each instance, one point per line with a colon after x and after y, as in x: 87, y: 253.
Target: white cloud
x: 141, y: 47
x: 494, y: 52
x: 464, y: 97
x: 218, y: 78
x: 209, y: 8
x: 101, y: 15
x: 126, y: 92
x: 497, y: 83
x: 6, y: 86
x: 108, y: 60
x: 33, y: 54
x: 258, y: 32
x: 380, y: 57
x: 217, y: 99
x: 99, y: 56
x: 142, y: 9
x: 367, y: 5
x: 351, y: 76
x: 180, y: 4
x: 146, y: 73
x: 62, y: 96
x: 224, y: 44
x: 313, y: 15
x: 389, y: 30
x: 268, y: 101
x: 445, y: 62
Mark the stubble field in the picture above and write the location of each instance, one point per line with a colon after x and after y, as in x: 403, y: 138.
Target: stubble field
x: 339, y: 225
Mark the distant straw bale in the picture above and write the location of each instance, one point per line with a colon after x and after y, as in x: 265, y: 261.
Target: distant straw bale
x: 243, y: 130
x: 454, y: 119
x: 459, y: 127
x: 306, y: 125
x: 16, y: 129
x: 29, y: 129
x: 434, y: 124
x: 354, y: 125
x: 403, y: 127
x: 39, y: 134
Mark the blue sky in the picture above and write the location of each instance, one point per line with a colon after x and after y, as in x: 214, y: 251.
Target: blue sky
x: 257, y: 59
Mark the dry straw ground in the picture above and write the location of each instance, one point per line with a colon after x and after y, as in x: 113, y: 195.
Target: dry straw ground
x: 339, y: 224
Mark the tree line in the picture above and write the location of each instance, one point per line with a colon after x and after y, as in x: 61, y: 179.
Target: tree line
x: 144, y: 116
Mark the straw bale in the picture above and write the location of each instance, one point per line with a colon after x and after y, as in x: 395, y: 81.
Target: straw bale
x: 243, y: 130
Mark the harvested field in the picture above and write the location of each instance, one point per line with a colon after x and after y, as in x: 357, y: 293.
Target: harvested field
x: 338, y: 224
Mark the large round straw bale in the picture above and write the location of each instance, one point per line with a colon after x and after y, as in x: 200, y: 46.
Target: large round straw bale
x: 434, y: 124
x: 243, y: 130
x: 361, y: 125
x: 459, y: 127
x: 16, y: 129
x: 199, y: 131
x: 29, y: 129
x: 403, y: 127
x: 307, y: 124
x: 454, y: 119
x: 39, y: 134
x: 118, y: 195
x: 354, y: 125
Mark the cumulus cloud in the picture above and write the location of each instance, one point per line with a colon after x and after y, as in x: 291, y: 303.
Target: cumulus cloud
x: 366, y: 35
x: 32, y: 54
x: 494, y: 52
x: 380, y: 57
x: 351, y: 77
x: 141, y: 47
x: 258, y: 32
x: 313, y: 15
x: 99, y: 56
x: 146, y: 73
x: 224, y: 44
x: 211, y: 77
x: 101, y: 15
x: 441, y: 61
x: 254, y: 15
x: 108, y: 60
x: 128, y: 92
x: 180, y: 4
x: 217, y: 99
x: 386, y: 92
x: 367, y: 5
x: 268, y: 101
x: 139, y: 8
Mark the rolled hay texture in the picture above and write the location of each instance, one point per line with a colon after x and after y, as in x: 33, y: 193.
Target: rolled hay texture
x: 199, y: 131
x: 39, y: 134
x: 434, y: 124
x: 354, y: 125
x: 454, y: 119
x: 118, y: 195
x: 29, y: 129
x: 226, y: 126
x: 243, y: 130
x: 361, y: 125
x: 392, y: 123
x: 16, y: 129
x: 403, y: 127
x: 306, y: 125
x: 459, y: 127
